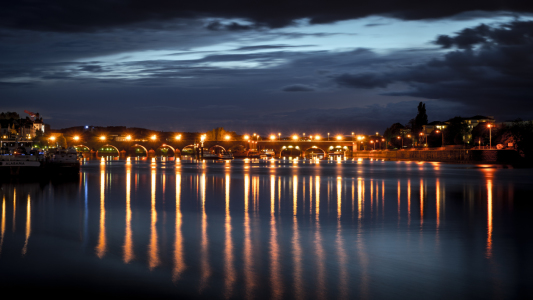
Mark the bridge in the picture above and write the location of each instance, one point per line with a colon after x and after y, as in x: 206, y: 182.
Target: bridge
x: 279, y: 148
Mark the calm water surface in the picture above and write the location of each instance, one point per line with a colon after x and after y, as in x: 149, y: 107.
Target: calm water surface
x: 272, y: 229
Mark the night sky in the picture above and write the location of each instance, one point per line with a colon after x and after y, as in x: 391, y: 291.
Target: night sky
x: 265, y: 66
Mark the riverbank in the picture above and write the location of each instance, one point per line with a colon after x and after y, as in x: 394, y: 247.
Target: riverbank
x: 454, y: 155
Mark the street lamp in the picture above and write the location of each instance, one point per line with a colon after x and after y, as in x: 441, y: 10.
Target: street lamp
x: 317, y: 137
x: 328, y: 136
x: 178, y: 137
x: 272, y: 137
x: 490, y: 136
x: 421, y: 134
x: 76, y: 138
x: 372, y: 142
x: 279, y: 135
x: 128, y: 138
x: 402, y: 140
x: 246, y: 137
x: 102, y: 138
x: 409, y: 136
x: 442, y: 135
x: 382, y: 141
x: 153, y: 137
x: 227, y: 137
x: 295, y: 137
x: 339, y: 137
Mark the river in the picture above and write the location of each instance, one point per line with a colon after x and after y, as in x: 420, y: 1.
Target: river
x: 250, y: 229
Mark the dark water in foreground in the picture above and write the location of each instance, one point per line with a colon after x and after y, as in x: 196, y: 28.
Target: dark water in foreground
x: 240, y: 229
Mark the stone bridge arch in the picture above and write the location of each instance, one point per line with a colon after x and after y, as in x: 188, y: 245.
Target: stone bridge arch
x: 188, y: 150
x: 82, y: 148
x: 138, y: 146
x: 313, y: 151
x: 214, y: 148
x: 291, y: 151
x: 176, y: 152
x: 100, y: 150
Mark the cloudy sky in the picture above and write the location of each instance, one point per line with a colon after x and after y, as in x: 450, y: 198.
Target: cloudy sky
x: 265, y: 66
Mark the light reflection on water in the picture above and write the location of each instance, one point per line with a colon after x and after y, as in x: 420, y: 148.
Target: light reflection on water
x: 245, y: 229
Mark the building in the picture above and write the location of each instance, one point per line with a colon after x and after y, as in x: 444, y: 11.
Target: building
x: 435, y: 125
x: 475, y: 121
x: 12, y: 127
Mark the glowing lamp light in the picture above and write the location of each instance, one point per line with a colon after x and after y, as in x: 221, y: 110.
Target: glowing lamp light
x: 178, y: 137
x: 102, y: 138
x: 53, y: 138
x: 294, y: 137
x: 272, y: 137
x: 317, y: 137
x: 372, y: 142
x: 227, y: 137
x: 398, y: 137
x: 128, y: 138
x: 339, y: 137
x: 202, y: 138
x: 76, y: 138
x: 246, y: 137
x: 153, y: 137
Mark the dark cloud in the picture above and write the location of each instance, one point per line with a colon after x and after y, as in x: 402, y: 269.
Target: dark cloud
x: 376, y: 24
x: 298, y: 88
x: 64, y: 15
x: 92, y: 68
x: 232, y: 26
x: 364, y: 80
x: 492, y: 70
x: 268, y: 47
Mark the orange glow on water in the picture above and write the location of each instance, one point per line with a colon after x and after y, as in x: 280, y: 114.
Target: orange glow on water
x: 153, y: 247
x: 249, y: 276
x: 3, y: 224
x: 317, y: 197
x: 276, y: 278
x: 489, y: 218
x: 179, y: 261
x: 294, y: 194
x: 28, y: 226
x: 205, y: 268
x: 128, y: 239
x: 339, y: 197
x: 438, y: 202
x: 421, y: 202
x: 101, y: 248
x: 229, y: 268
x: 408, y: 201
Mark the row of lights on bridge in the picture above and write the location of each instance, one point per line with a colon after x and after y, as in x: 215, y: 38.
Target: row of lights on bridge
x: 246, y: 137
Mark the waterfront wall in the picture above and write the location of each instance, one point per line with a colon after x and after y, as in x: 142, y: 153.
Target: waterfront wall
x: 489, y: 156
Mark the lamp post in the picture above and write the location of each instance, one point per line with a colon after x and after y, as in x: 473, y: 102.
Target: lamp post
x: 372, y: 142
x: 422, y: 134
x: 382, y: 141
x: 202, y: 139
x: 490, y: 136
x: 402, y: 140
x: 328, y: 136
x: 279, y: 135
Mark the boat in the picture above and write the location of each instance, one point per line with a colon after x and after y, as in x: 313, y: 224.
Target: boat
x: 62, y: 161
x: 227, y: 155
x: 36, y: 164
x: 211, y: 156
